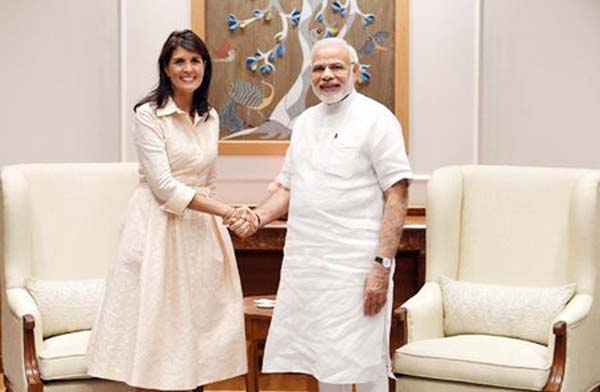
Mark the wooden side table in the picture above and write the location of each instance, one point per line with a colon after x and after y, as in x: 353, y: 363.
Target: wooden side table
x: 257, y: 326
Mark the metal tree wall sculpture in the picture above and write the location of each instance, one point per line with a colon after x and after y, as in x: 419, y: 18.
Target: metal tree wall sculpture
x: 315, y: 20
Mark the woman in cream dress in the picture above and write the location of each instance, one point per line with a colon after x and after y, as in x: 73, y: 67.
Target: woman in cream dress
x: 172, y: 314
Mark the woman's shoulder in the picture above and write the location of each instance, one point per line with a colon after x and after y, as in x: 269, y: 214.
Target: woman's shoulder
x: 146, y: 113
x: 145, y: 109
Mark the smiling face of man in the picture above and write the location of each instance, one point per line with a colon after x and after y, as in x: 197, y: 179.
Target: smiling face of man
x: 333, y: 74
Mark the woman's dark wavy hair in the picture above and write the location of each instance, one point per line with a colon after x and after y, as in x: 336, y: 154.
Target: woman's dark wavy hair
x: 188, y: 40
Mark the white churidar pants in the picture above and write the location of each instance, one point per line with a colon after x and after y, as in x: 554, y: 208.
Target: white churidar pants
x: 381, y: 385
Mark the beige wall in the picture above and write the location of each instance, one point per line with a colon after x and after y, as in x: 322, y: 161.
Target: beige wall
x: 443, y: 98
x: 59, y: 99
x: 492, y: 81
x: 540, y: 101
x: 144, y: 27
x: 505, y: 82
x: 443, y: 87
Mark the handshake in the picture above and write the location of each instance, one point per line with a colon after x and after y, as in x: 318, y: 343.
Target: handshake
x: 243, y: 221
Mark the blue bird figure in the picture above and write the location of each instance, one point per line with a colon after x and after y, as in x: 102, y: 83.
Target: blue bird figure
x: 336, y: 7
x: 251, y: 63
x: 266, y: 69
x: 320, y: 17
x: 374, y: 42
x: 280, y: 50
x: 368, y: 20
x: 295, y: 18
x: 363, y: 73
x: 232, y: 22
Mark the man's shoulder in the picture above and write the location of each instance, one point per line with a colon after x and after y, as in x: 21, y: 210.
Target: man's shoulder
x: 311, y: 110
x: 372, y: 105
x: 307, y: 114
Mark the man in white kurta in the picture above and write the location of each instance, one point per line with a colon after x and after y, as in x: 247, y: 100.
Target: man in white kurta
x: 346, y: 167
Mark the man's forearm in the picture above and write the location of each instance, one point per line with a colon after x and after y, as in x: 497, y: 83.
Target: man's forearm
x: 394, y: 212
x: 274, y: 207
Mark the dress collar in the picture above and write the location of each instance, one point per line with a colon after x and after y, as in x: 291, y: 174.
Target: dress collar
x: 171, y: 108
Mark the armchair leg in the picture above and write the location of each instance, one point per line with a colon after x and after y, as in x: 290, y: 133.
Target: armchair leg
x: 399, y: 319
x: 557, y: 372
x: 32, y: 370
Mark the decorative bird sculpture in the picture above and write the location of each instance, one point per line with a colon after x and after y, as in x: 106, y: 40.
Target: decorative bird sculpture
x: 251, y: 98
x: 224, y: 53
x: 250, y: 95
x: 375, y: 42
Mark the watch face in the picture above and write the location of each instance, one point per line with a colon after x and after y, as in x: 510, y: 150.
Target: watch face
x: 384, y: 261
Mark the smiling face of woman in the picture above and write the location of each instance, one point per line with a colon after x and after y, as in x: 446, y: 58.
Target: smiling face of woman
x: 185, y: 71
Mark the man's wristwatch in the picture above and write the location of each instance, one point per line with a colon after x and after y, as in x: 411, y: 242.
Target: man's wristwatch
x: 384, y: 261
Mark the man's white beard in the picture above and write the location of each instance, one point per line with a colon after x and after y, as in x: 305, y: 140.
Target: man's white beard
x: 334, y: 97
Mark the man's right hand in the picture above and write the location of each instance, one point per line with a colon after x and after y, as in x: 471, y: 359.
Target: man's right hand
x: 243, y: 222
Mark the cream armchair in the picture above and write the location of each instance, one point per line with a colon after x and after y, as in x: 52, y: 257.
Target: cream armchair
x: 61, y: 223
x: 510, y: 230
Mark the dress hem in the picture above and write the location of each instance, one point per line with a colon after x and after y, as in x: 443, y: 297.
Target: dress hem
x: 331, y: 380
x: 123, y: 380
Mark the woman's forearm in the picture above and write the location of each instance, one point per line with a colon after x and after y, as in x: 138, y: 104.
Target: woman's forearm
x: 210, y: 206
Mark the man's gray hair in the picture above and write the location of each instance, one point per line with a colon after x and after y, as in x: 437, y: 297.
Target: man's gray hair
x: 333, y: 41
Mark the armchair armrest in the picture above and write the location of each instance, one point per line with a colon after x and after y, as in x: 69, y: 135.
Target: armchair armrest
x: 21, y: 304
x: 19, y: 315
x: 576, y: 311
x: 571, y: 317
x: 422, y: 316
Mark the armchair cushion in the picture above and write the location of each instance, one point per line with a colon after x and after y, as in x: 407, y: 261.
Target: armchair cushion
x: 477, y: 359
x: 519, y: 312
x: 66, y: 306
x: 63, y: 357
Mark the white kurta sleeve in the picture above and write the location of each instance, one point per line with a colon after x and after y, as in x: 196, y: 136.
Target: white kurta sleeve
x: 285, y: 175
x: 152, y: 154
x: 287, y: 170
x: 388, y: 154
